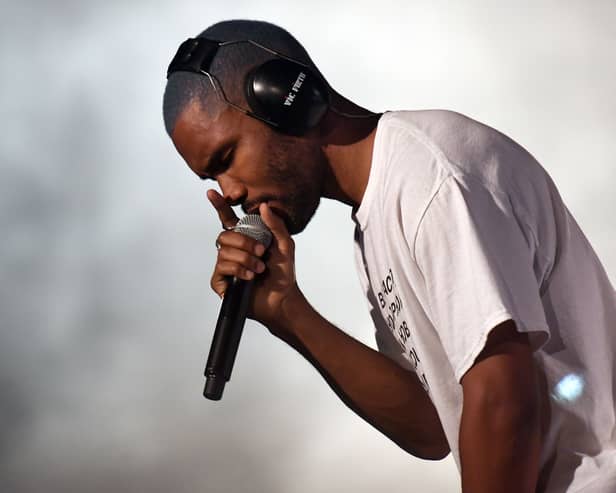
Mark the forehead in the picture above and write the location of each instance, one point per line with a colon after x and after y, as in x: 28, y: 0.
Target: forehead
x: 198, y: 133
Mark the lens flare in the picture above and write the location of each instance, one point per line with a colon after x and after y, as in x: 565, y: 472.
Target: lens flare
x: 569, y: 388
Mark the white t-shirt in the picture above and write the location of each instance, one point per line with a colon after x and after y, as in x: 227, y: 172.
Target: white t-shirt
x: 461, y: 229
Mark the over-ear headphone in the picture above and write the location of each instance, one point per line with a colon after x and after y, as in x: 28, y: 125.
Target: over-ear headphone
x: 282, y: 91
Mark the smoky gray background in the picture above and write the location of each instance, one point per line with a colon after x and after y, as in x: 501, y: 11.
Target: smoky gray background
x: 108, y: 241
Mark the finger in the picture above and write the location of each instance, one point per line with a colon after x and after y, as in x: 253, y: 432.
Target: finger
x: 274, y: 223
x: 224, y: 272
x: 233, y: 239
x: 224, y: 210
x: 226, y: 268
x: 241, y: 258
x: 219, y: 285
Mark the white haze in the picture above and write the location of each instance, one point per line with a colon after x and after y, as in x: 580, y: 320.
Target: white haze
x: 108, y: 241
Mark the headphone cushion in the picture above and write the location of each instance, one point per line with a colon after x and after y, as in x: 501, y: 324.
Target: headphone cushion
x: 290, y: 95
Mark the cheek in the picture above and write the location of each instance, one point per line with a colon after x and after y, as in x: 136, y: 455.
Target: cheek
x: 292, y: 163
x: 251, y: 164
x: 308, y: 166
x: 279, y: 158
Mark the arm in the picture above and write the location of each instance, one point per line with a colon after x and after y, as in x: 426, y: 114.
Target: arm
x: 384, y: 394
x: 500, y: 439
x: 376, y: 388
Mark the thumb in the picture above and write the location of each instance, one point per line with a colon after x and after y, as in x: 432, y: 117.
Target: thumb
x: 274, y: 223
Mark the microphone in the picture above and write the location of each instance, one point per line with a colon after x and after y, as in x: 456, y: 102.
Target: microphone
x: 232, y: 316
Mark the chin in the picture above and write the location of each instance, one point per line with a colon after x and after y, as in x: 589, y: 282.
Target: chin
x: 296, y: 223
x: 292, y: 226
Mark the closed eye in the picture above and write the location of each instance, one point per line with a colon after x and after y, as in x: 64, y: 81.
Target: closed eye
x: 218, y: 163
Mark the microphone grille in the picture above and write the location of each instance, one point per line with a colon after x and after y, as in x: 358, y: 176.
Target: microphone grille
x: 253, y: 226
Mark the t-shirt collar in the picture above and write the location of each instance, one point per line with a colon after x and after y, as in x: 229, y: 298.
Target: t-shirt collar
x: 360, y: 215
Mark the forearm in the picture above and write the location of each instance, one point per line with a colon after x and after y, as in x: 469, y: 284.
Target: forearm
x: 376, y: 388
x: 384, y: 394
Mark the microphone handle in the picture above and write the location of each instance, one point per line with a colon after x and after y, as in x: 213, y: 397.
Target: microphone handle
x: 227, y: 337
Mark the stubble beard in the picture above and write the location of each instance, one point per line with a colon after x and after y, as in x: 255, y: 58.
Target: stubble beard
x: 299, y: 171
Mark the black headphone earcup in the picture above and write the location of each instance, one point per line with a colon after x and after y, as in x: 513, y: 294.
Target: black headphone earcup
x: 287, y: 94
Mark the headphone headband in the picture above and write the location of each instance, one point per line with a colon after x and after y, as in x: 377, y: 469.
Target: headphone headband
x: 194, y: 55
x: 282, y: 92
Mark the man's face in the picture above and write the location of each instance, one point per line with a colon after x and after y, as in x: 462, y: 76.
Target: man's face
x: 252, y: 163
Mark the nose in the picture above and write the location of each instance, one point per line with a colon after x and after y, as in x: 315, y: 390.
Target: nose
x: 232, y: 189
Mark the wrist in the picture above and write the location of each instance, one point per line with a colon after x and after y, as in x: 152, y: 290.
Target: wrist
x: 293, y: 309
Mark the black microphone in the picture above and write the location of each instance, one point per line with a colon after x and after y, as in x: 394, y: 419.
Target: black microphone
x: 232, y: 316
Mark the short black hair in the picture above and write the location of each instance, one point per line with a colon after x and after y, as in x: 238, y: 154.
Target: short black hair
x: 230, y: 69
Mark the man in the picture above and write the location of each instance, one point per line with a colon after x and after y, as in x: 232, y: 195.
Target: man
x: 494, y: 319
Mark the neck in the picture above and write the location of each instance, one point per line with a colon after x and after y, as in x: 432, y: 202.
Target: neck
x: 347, y: 145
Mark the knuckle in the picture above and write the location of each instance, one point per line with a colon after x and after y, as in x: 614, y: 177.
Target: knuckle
x: 248, y: 243
x: 246, y: 259
x: 223, y: 236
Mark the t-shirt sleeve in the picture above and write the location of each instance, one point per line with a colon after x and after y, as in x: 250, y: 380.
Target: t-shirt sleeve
x: 477, y: 266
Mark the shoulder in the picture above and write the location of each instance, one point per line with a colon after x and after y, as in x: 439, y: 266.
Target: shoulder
x: 463, y: 145
x: 412, y: 142
x: 410, y: 163
x: 456, y: 137
x: 413, y: 151
x: 432, y: 124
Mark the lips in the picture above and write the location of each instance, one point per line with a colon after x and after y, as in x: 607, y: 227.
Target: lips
x: 275, y: 205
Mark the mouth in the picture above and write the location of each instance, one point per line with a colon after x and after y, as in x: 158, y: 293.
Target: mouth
x: 276, y: 206
x: 252, y: 207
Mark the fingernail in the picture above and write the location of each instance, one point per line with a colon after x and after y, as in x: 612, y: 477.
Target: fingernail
x: 260, y: 267
x: 259, y: 249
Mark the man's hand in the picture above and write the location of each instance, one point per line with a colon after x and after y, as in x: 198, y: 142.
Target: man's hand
x: 242, y: 257
x: 389, y: 397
